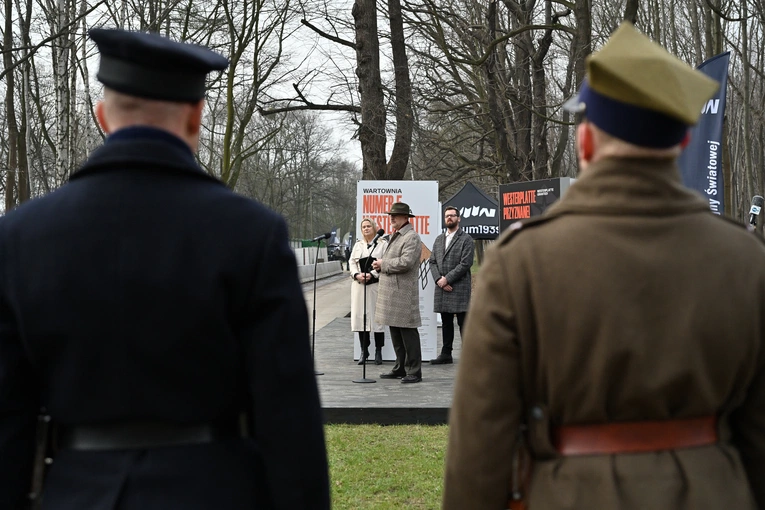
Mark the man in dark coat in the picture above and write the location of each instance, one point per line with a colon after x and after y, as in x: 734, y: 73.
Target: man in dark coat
x: 450, y: 263
x: 139, y: 308
x: 619, y: 337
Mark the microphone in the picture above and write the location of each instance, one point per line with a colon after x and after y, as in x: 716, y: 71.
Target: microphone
x: 380, y: 233
x: 754, y: 211
x: 323, y: 236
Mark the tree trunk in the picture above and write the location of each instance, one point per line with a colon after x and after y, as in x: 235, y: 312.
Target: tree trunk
x: 71, y: 91
x: 86, y: 74
x: 583, y: 38
x: 727, y: 174
x: 61, y: 66
x: 522, y: 104
x: 404, y: 116
x: 372, y: 128
x: 13, y: 131
x: 696, y: 33
x: 747, y: 107
x: 713, y: 30
x: 560, y: 148
x: 631, y: 10
x: 496, y: 104
x: 541, y: 151
x: 26, y: 105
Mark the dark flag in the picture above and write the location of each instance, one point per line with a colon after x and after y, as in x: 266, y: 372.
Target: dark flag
x: 701, y: 161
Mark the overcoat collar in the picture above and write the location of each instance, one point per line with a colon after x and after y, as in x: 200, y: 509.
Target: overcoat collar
x: 406, y: 228
x: 142, y: 148
x: 624, y: 186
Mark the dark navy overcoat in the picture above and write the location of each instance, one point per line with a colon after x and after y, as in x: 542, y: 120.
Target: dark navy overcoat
x: 146, y: 290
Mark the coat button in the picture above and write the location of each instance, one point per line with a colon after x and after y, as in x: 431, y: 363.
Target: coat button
x: 537, y: 413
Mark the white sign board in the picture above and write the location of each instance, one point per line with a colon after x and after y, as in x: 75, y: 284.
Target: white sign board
x: 373, y: 200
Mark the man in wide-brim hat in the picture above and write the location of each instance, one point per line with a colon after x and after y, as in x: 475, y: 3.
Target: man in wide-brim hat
x: 596, y: 343
x: 400, y: 209
x: 398, y: 298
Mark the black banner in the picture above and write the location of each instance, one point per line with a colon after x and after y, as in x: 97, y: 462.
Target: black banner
x: 521, y: 200
x: 701, y: 161
x: 478, y: 212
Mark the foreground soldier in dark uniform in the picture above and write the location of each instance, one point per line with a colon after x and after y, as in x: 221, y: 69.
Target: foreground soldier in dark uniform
x: 619, y: 337
x: 139, y: 307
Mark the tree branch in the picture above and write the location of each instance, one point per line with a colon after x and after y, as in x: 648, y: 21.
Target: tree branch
x: 490, y: 47
x: 34, y: 49
x: 719, y: 12
x: 328, y: 36
x: 308, y: 105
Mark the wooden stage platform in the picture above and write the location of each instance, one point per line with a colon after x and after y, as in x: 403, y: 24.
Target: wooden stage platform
x: 386, y: 401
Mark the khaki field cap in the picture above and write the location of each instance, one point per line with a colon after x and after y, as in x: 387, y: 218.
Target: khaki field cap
x: 637, y: 91
x: 401, y: 208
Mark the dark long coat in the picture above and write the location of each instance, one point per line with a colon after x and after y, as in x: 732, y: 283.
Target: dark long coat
x: 146, y: 290
x: 630, y: 302
x: 454, y: 263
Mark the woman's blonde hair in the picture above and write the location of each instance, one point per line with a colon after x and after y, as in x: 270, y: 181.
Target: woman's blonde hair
x: 370, y: 220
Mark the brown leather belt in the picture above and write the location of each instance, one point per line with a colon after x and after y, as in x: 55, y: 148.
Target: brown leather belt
x: 635, y: 437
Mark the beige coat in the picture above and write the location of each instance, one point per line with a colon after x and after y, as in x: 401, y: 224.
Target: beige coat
x: 360, y: 250
x: 398, y: 299
x: 630, y: 302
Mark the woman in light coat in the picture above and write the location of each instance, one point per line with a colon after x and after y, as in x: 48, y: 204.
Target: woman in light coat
x: 366, y: 277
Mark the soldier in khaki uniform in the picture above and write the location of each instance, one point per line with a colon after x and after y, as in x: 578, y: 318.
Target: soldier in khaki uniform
x: 619, y: 338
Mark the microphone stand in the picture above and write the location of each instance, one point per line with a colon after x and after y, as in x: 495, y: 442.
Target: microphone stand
x: 313, y: 333
x: 364, y: 328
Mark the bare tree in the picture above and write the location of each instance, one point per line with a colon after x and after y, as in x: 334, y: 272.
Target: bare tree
x: 10, y: 109
x: 373, y: 114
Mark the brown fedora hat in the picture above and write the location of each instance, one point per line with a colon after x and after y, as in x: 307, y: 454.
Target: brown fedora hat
x: 401, y: 208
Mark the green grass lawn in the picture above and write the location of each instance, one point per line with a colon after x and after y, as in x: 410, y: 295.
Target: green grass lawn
x: 374, y: 467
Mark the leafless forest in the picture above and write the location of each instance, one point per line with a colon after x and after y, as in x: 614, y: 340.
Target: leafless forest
x: 447, y: 90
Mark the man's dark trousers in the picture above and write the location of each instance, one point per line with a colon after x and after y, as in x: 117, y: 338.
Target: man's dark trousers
x: 447, y: 330
x: 406, y: 343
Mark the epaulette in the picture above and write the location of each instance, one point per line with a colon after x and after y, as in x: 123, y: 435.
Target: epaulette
x: 525, y: 224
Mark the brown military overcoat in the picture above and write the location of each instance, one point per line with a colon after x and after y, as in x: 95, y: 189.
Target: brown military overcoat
x: 631, y: 302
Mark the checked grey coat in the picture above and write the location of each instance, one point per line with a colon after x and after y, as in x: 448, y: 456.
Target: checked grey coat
x: 398, y: 298
x: 453, y: 263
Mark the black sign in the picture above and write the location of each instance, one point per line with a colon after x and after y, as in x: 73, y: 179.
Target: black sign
x: 526, y: 199
x: 479, y: 213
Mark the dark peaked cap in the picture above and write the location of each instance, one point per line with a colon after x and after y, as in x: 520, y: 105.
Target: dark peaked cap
x: 154, y: 67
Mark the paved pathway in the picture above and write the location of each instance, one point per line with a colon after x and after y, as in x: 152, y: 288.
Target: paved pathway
x: 384, y: 401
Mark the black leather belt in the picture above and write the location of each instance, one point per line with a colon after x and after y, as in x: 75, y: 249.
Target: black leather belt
x: 140, y: 435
